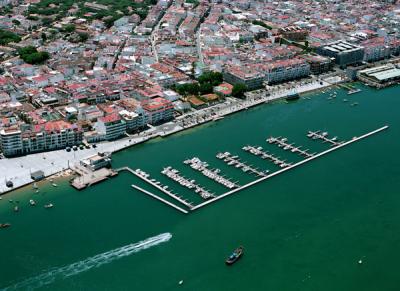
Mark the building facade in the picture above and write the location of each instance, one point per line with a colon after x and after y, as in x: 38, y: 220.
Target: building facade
x: 52, y: 135
x: 158, y: 109
x: 111, y: 126
x: 343, y: 52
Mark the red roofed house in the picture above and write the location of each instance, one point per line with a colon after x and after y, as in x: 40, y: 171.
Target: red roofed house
x: 111, y: 126
x: 158, y: 109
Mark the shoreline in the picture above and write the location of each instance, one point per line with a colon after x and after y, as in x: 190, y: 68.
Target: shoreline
x: 231, y: 106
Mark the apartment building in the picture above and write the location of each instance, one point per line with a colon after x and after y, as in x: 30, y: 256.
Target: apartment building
x: 158, y: 109
x: 51, y: 135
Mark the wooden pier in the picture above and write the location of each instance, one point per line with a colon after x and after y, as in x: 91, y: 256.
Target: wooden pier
x: 355, y: 139
x: 160, y: 199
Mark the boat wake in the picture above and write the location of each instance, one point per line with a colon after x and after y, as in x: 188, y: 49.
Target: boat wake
x: 54, y: 274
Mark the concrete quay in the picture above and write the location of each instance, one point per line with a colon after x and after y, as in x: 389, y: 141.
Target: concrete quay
x: 159, y: 199
x: 87, y: 178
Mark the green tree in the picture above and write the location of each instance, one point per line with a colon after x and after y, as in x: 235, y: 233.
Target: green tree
x: 238, y: 90
x: 188, y: 89
x: 43, y: 36
x: 83, y: 36
x: 214, y: 78
x: 32, y: 56
x: 68, y: 28
x: 8, y: 36
x: 46, y: 21
x: 205, y: 88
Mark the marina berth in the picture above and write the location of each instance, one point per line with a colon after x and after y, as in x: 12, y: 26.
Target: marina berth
x: 282, y: 142
x: 198, y: 165
x: 258, y: 151
x: 174, y: 175
x: 234, y: 161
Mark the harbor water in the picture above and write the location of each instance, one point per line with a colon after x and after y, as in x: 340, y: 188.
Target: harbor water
x: 331, y: 224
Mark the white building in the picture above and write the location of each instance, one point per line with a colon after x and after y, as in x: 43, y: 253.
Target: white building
x: 112, y: 126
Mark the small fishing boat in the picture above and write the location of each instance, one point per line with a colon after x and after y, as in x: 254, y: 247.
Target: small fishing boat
x: 235, y: 256
x: 54, y: 184
x: 5, y: 225
x: 32, y: 202
x: 16, y: 208
x: 50, y: 205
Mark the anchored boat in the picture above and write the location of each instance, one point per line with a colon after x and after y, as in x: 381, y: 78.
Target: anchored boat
x: 235, y: 256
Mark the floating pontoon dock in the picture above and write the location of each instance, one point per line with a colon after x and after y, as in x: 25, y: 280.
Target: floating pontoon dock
x: 174, y: 175
x: 258, y: 151
x: 354, y: 139
x: 315, y: 135
x: 198, y: 165
x: 282, y: 142
x: 234, y: 161
x: 154, y: 184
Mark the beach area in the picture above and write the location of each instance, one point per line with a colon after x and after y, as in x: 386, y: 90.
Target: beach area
x: 18, y: 170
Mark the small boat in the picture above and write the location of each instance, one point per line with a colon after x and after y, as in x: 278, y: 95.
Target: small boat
x: 4, y: 225
x: 235, y: 256
x: 16, y: 208
x: 218, y: 118
x: 50, y: 205
x: 54, y: 184
x: 35, y: 186
x: 180, y: 282
x: 32, y: 202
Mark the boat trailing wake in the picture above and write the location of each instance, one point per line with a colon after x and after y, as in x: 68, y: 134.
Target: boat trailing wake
x: 52, y: 275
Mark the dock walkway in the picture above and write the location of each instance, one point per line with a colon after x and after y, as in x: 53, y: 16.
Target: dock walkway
x: 177, y: 198
x: 355, y: 139
x: 160, y: 199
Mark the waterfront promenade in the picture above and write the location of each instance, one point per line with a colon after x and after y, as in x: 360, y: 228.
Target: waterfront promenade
x: 18, y: 170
